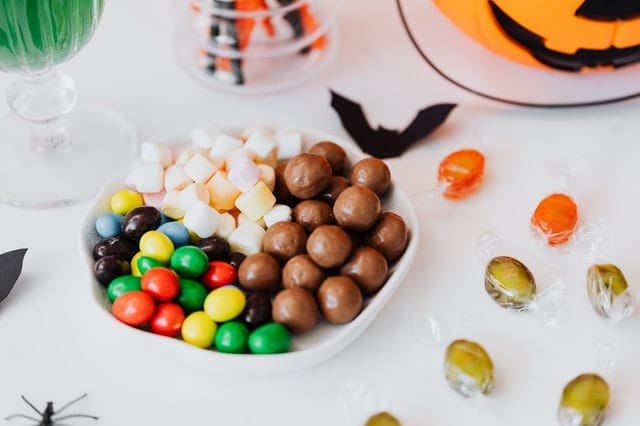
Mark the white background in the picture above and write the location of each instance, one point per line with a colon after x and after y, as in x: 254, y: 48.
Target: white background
x: 55, y: 345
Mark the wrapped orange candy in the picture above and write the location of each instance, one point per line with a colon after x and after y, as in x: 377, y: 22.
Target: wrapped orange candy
x: 556, y: 217
x: 461, y: 173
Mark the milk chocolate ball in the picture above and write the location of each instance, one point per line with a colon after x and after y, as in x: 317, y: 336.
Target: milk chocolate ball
x: 335, y: 188
x: 389, y: 236
x: 334, y: 154
x: 357, y: 208
x: 283, y: 240
x: 368, y: 268
x: 312, y: 213
x: 307, y: 175
x: 329, y: 246
x: 371, y: 173
x: 301, y: 271
x: 340, y: 299
x: 259, y: 271
x: 296, y: 309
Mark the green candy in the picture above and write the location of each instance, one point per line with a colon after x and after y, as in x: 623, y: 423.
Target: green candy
x: 468, y: 368
x: 145, y: 263
x: 509, y: 283
x: 232, y: 337
x: 608, y: 291
x: 122, y: 285
x: 382, y: 419
x: 189, y: 261
x: 584, y: 401
x: 272, y: 338
x: 191, y: 296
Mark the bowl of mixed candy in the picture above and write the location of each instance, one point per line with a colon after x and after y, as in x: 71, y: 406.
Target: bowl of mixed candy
x: 260, y: 249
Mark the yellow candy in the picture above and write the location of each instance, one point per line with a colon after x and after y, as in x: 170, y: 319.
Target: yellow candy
x: 224, y: 303
x: 199, y: 330
x: 135, y: 271
x: 125, y: 200
x: 156, y: 245
x: 256, y: 202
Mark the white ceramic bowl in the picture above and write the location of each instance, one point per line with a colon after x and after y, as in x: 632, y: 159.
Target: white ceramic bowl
x: 311, y: 348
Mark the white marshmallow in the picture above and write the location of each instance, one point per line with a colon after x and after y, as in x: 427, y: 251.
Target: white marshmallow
x: 199, y: 168
x: 156, y: 153
x: 202, y: 137
x: 148, y: 177
x: 244, y: 219
x: 192, y: 194
x: 226, y: 226
x: 235, y: 155
x: 244, y: 174
x: 171, y: 205
x: 201, y: 219
x: 260, y: 145
x: 184, y: 156
x: 247, y: 239
x: 268, y: 176
x: 176, y: 178
x: 154, y: 199
x: 289, y: 143
x: 279, y: 213
x: 246, y: 133
x: 221, y: 148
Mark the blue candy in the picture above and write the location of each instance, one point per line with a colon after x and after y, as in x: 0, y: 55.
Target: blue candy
x: 109, y: 224
x: 176, y: 232
x: 164, y: 219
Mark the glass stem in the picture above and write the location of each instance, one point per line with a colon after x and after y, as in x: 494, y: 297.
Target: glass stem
x: 43, y: 100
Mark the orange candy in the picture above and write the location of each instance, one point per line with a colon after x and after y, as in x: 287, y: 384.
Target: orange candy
x: 556, y: 217
x: 461, y: 172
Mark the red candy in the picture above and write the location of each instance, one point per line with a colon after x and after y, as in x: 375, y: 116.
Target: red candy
x: 167, y: 319
x: 161, y: 283
x: 134, y: 308
x: 219, y: 274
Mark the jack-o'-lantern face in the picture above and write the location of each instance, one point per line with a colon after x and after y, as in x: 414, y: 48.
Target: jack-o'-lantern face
x: 563, y: 34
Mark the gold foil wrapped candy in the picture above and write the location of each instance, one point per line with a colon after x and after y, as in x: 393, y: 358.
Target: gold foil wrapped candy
x: 509, y: 282
x: 468, y: 368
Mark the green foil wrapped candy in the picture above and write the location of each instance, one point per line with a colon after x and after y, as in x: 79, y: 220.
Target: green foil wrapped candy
x: 584, y: 401
x: 509, y: 282
x: 468, y: 368
x: 608, y: 291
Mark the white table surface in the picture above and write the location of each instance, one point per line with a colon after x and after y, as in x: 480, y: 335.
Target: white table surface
x: 55, y: 344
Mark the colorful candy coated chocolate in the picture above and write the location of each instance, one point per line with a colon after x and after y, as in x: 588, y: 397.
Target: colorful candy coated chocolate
x: 133, y: 308
x: 461, y: 173
x: 167, y: 319
x: 272, y: 338
x: 556, y: 218
x: 125, y: 200
x: 468, y: 368
x: 219, y: 274
x: 232, y: 337
x: 109, y: 224
x: 122, y: 285
x: 161, y: 283
x: 176, y: 231
x: 144, y: 263
x: 156, y: 245
x: 191, y: 296
x: 189, y: 261
x: 584, y: 401
x: 224, y: 304
x: 135, y: 271
x: 198, y: 330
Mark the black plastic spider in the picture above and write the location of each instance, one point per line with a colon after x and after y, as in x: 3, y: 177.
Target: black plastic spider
x: 47, y: 417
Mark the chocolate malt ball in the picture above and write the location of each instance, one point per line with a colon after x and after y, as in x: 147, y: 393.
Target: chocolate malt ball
x: 301, y: 271
x: 283, y: 240
x: 357, y: 208
x: 312, y: 213
x: 368, y: 268
x: 334, y: 154
x: 259, y: 271
x: 371, y: 173
x: 340, y: 299
x: 389, y: 236
x: 307, y: 175
x: 329, y: 246
x: 296, y: 309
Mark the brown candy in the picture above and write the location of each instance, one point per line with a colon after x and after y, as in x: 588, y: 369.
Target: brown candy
x: 329, y: 246
x: 336, y: 186
x: 340, y: 299
x: 259, y: 271
x: 368, y: 268
x: 312, y: 213
x: 357, y: 208
x: 307, y: 175
x: 389, y: 236
x: 281, y: 191
x: 371, y: 173
x: 283, y: 240
x: 334, y: 154
x: 296, y: 309
x: 301, y: 271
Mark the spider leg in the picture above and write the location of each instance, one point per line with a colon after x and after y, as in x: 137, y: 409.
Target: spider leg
x: 22, y: 416
x: 68, y: 416
x: 31, y: 405
x: 84, y: 395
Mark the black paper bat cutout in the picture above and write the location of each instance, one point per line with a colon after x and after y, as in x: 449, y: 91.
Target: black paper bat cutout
x: 382, y: 142
x: 46, y: 416
x: 10, y: 268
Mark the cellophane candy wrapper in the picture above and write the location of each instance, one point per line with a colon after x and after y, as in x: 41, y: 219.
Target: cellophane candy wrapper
x: 360, y: 402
